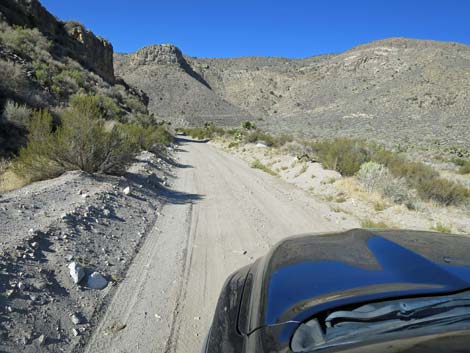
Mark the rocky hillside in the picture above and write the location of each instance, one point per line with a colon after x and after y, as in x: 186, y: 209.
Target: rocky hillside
x: 80, y: 44
x: 398, y: 90
x: 176, y: 91
x: 44, y: 61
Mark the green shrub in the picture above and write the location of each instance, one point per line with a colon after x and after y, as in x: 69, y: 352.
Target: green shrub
x: 208, y: 131
x: 368, y: 223
x: 149, y: 138
x: 443, y: 191
x: 80, y: 142
x: 343, y: 155
x: 442, y: 228
x: 25, y: 42
x: 97, y: 106
x: 33, y: 162
x: 248, y: 125
x: 464, y: 165
x: 347, y: 156
x: 44, y: 73
x: 259, y: 136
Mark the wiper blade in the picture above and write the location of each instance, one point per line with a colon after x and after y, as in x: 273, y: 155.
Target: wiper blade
x: 396, y: 310
x: 393, y: 317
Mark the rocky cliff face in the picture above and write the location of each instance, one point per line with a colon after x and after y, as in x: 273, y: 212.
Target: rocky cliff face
x: 82, y: 45
x: 164, y: 54
x: 93, y: 51
x: 176, y: 91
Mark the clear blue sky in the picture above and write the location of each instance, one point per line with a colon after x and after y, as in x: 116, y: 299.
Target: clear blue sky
x: 289, y: 28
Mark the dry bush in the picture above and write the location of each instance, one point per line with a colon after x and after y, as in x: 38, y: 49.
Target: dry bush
x: 12, y: 78
x: 15, y: 113
x: 376, y: 177
x: 372, y: 175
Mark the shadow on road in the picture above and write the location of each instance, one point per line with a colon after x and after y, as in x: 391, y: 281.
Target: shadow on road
x: 178, y: 197
x: 189, y: 140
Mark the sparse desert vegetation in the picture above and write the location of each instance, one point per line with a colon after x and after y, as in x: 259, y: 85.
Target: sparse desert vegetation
x: 258, y: 165
x: 78, y: 140
x: 382, y: 187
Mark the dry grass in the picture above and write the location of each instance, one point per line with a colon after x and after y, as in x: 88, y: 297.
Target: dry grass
x: 302, y: 170
x: 442, y: 228
x: 10, y: 181
x: 368, y: 223
x: 258, y: 165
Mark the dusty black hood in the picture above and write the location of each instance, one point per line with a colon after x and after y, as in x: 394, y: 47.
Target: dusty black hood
x: 308, y: 274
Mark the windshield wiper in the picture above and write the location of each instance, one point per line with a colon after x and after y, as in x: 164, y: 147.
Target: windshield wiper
x: 374, y: 319
x: 397, y: 310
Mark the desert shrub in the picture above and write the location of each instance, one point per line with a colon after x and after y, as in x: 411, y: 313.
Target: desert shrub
x: 33, y: 162
x: 368, y: 223
x: 26, y: 42
x: 65, y: 82
x: 97, y: 106
x: 259, y: 136
x: 44, y: 73
x: 283, y: 139
x: 463, y: 164
x: 80, y: 142
x: 441, y: 227
x: 258, y: 165
x: 233, y: 144
x: 16, y: 113
x: 12, y: 78
x: 248, y: 125
x: 207, y: 131
x: 149, y: 138
x: 134, y: 103
x: 443, y: 191
x: 343, y: 155
x: 372, y: 175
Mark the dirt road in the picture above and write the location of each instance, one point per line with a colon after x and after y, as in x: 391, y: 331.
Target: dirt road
x: 220, y: 215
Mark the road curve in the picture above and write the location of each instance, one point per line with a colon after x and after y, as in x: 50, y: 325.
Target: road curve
x: 220, y: 215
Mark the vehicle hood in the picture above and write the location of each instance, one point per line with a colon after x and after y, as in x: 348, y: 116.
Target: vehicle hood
x: 308, y: 274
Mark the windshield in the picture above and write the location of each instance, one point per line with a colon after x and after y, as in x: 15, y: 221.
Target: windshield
x: 398, y: 318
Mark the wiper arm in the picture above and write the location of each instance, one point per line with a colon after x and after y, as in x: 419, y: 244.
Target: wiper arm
x: 383, y: 318
x: 398, y: 310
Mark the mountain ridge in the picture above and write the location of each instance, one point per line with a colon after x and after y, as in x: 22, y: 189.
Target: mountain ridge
x: 395, y: 89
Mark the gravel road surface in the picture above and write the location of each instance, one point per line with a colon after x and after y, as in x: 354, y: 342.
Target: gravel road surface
x: 220, y: 215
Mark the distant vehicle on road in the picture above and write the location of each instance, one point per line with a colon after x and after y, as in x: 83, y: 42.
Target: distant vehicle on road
x: 356, y: 291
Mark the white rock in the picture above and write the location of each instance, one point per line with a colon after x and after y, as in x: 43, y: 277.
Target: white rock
x: 126, y: 191
x: 76, y: 272
x: 42, y: 340
x: 76, y: 319
x: 21, y: 286
x: 96, y: 281
x: 75, y: 332
x: 261, y: 145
